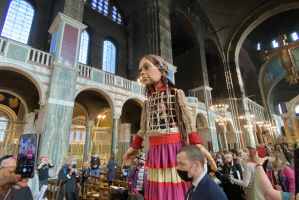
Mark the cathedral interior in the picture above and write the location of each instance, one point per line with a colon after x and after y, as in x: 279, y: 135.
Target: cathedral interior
x: 69, y: 71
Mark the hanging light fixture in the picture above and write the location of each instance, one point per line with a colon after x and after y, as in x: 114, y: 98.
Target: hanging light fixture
x: 219, y: 107
x: 246, y: 116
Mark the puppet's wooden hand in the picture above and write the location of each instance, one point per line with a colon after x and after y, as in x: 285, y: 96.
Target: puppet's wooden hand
x: 208, y: 156
x: 130, y: 156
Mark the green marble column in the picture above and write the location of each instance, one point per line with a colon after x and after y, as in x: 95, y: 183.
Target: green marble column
x: 87, y: 144
x: 114, y: 142
x: 57, y: 112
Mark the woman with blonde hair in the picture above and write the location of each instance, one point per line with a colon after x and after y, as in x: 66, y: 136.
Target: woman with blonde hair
x: 68, y: 178
x: 85, y: 173
x: 281, y: 176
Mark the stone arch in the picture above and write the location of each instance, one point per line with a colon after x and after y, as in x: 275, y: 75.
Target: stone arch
x: 139, y: 100
x: 7, y: 110
x: 253, y: 20
x: 103, y: 92
x: 18, y: 96
x: 201, y: 121
x: 84, y: 110
x: 261, y: 14
x: 34, y: 79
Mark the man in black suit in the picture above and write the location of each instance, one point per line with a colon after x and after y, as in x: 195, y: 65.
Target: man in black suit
x: 190, y: 167
x: 95, y: 164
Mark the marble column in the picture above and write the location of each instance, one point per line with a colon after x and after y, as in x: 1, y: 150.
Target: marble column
x: 87, y: 144
x: 58, y: 113
x: 296, y: 129
x: 287, y: 131
x: 225, y: 140
x: 123, y: 140
x: 29, y: 118
x: 114, y: 142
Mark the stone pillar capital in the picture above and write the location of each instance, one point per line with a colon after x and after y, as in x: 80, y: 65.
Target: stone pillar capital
x: 287, y: 115
x: 90, y: 123
x: 115, y: 115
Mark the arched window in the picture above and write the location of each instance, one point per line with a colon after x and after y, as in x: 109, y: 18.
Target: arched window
x: 115, y: 15
x: 109, y: 52
x: 275, y: 44
x: 83, y: 47
x: 295, y: 36
x: 258, y: 46
x: 3, y: 126
x: 297, y: 110
x: 18, y: 21
x: 100, y: 6
x: 280, y: 109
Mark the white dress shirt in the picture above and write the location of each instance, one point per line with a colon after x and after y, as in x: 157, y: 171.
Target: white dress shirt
x: 196, y: 181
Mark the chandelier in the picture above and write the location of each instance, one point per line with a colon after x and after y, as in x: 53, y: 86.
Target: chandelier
x: 246, y: 116
x: 221, y: 120
x: 260, y: 123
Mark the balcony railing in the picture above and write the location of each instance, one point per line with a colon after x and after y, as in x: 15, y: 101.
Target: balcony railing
x: 84, y: 70
x: 3, y: 44
x: 108, y: 78
x: 256, y: 109
x: 40, y: 57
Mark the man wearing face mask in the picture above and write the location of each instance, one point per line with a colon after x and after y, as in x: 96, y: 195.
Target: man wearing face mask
x: 68, y: 178
x: 190, y: 168
x: 138, y: 176
x: 95, y: 164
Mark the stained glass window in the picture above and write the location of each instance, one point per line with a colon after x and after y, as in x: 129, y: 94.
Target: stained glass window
x: 18, y: 21
x: 295, y: 36
x: 280, y: 110
x: 83, y: 137
x: 71, y: 137
x: 78, y: 136
x: 275, y: 44
x: 83, y: 47
x: 297, y: 110
x: 115, y: 15
x: 100, y: 6
x: 3, y: 126
x: 109, y: 57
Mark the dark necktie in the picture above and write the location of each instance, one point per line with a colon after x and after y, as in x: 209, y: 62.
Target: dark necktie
x: 190, y: 192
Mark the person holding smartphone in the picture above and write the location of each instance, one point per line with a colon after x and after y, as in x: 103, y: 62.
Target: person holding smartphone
x: 43, y: 170
x: 68, y: 178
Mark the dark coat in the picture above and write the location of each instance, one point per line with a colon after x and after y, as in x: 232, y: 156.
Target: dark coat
x: 95, y: 161
x: 69, y: 187
x: 232, y: 191
x: 207, y: 189
x: 134, y: 175
x: 112, y: 170
x: 85, y: 174
x: 22, y: 193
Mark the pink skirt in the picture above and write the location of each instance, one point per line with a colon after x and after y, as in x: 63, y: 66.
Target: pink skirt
x: 163, y: 182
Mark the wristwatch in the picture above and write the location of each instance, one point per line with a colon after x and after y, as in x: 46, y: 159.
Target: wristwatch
x: 258, y: 165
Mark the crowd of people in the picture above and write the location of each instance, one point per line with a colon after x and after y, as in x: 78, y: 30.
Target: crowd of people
x: 240, y: 175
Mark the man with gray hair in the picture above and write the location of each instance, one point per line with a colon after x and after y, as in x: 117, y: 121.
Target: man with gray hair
x: 190, y: 167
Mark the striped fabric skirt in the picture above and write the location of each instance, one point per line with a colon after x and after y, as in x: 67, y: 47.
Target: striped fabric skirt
x: 163, y: 182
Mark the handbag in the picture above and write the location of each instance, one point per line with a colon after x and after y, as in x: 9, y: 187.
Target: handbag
x: 106, y: 169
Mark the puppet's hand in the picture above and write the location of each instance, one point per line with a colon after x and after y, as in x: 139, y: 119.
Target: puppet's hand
x: 208, y: 156
x: 130, y: 156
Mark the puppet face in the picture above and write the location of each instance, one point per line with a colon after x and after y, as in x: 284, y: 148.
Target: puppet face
x: 149, y: 73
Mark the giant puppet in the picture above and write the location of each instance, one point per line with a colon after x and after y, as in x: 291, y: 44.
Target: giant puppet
x: 166, y: 122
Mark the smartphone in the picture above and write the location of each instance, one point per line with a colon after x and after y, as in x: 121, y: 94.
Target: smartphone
x: 26, y: 161
x: 296, y: 165
x: 261, y: 152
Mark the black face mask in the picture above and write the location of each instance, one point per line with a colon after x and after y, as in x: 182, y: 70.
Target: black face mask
x: 184, y: 175
x: 141, y: 164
